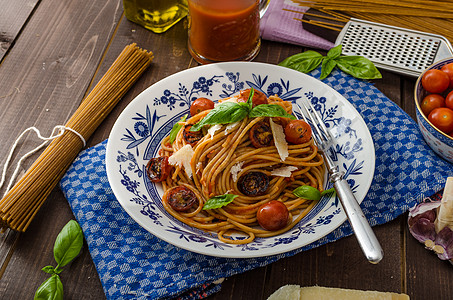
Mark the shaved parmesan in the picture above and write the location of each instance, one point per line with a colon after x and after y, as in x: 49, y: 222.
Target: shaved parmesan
x: 235, y: 170
x: 182, y: 158
x: 279, y: 140
x: 284, y: 171
x: 231, y: 126
x: 213, y: 129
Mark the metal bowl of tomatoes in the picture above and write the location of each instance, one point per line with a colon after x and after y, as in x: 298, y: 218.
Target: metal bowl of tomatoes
x: 434, y: 107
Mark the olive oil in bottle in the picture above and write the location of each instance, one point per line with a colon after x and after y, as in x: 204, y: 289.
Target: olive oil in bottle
x: 155, y: 15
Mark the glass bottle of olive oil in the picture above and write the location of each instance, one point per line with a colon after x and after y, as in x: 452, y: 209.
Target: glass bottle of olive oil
x: 155, y: 15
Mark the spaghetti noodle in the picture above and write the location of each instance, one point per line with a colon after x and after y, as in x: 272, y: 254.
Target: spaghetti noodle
x: 221, y: 160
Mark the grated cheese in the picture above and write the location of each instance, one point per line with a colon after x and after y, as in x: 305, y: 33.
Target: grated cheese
x: 279, y: 140
x: 235, y: 170
x: 231, y: 126
x: 213, y: 129
x: 182, y: 158
x: 284, y: 171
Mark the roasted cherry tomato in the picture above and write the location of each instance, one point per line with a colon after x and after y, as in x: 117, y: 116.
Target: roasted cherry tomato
x: 253, y: 184
x: 273, y: 215
x: 201, y: 104
x: 435, y: 81
x: 448, y: 68
x: 442, y: 118
x: 191, y: 137
x: 181, y: 198
x: 431, y: 102
x: 298, y: 132
x: 261, y: 135
x: 449, y: 100
x: 158, y: 169
x: 258, y: 97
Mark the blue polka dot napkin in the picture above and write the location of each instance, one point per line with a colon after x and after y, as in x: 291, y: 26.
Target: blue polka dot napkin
x: 134, y: 264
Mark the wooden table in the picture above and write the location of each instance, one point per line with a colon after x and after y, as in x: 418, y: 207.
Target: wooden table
x: 53, y: 52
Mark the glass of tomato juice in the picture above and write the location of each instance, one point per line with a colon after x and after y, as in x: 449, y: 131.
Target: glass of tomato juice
x: 225, y: 30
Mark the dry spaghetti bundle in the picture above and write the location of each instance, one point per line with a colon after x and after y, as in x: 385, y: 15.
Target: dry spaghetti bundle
x: 22, y: 202
x: 221, y: 159
x: 426, y: 16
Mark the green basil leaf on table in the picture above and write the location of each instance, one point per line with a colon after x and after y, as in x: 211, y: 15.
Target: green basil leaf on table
x: 334, y: 52
x: 51, y: 289
x: 68, y: 244
x: 327, y: 66
x: 358, y: 66
x: 49, y: 269
x: 269, y: 110
x: 303, y: 62
x: 219, y: 201
x: 224, y: 113
x: 176, y: 127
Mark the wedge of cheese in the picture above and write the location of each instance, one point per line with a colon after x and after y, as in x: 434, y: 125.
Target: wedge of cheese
x: 295, y: 292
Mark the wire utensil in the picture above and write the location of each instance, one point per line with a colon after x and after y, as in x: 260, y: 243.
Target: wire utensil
x: 362, y: 229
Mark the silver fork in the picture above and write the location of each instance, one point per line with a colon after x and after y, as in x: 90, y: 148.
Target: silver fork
x: 362, y: 229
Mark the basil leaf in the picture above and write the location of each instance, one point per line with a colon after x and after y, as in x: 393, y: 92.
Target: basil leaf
x: 327, y: 67
x: 49, y: 269
x: 224, y: 113
x: 250, y: 98
x: 68, y: 244
x: 303, y: 62
x: 358, y: 66
x: 176, y: 127
x: 269, y: 110
x: 307, y: 192
x: 51, y: 289
x: 219, y: 201
x: 331, y: 190
x: 335, y: 52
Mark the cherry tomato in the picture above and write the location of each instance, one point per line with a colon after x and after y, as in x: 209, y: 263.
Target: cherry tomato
x: 448, y: 68
x: 442, y: 118
x: 449, y: 100
x: 158, y: 169
x: 298, y: 132
x: 261, y: 135
x: 431, y: 102
x: 435, y: 81
x: 181, y: 198
x: 258, y: 97
x: 191, y: 137
x: 253, y: 184
x: 201, y: 104
x: 273, y: 215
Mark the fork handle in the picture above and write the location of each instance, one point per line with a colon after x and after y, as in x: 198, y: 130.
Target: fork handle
x: 362, y: 229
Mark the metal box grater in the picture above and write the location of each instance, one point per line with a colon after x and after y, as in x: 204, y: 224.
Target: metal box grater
x: 404, y: 51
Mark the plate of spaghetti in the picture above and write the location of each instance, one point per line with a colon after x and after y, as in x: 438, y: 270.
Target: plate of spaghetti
x: 215, y: 160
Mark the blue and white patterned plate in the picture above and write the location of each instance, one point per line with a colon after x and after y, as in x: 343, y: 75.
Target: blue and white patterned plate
x: 137, y: 133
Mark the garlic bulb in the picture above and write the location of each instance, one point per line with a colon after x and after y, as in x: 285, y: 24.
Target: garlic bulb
x: 431, y: 223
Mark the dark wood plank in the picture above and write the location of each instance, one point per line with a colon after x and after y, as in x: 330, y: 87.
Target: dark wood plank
x: 13, y: 17
x: 44, y: 78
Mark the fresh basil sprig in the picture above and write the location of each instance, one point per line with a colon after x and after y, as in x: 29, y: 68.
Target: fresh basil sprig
x: 231, y: 112
x: 176, y: 127
x: 67, y: 246
x: 357, y: 66
x: 219, y: 201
